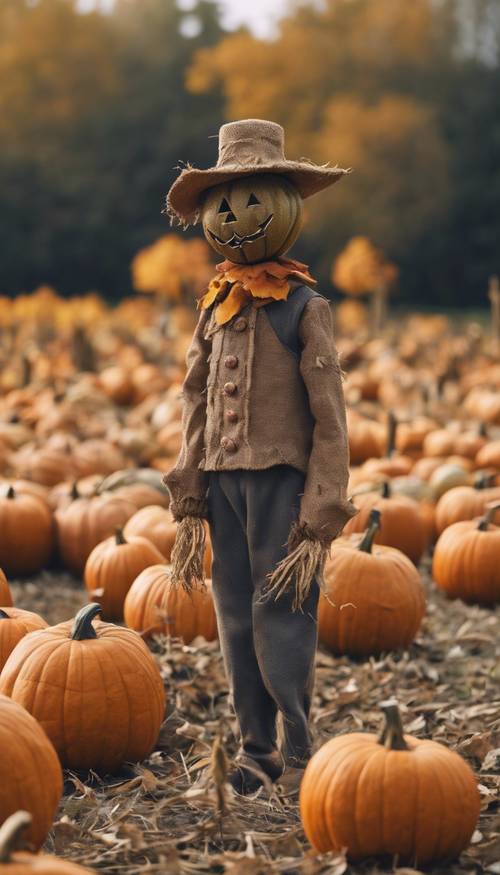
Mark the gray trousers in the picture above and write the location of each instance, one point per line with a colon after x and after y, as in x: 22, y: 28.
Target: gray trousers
x: 268, y: 648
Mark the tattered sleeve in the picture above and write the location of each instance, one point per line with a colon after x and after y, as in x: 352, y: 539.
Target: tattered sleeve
x: 187, y: 482
x: 324, y: 505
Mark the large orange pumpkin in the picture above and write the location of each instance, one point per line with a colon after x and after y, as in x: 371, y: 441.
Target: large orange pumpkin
x: 389, y: 796
x: 155, y: 606
x: 252, y: 218
x: 373, y: 599
x: 113, y: 566
x: 155, y: 523
x: 26, y: 533
x: 5, y: 593
x: 402, y: 524
x: 465, y: 503
x: 30, y: 773
x: 96, y: 691
x: 86, y: 522
x: 14, y: 625
x: 17, y: 862
x: 466, y: 561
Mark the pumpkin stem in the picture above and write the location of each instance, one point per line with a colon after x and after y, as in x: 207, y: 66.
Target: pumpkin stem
x: 392, y: 427
x: 483, y: 479
x: 83, y: 629
x: 120, y: 537
x: 366, y: 543
x: 482, y: 429
x: 487, y: 518
x: 74, y: 494
x: 3, y: 615
x: 392, y: 734
x: 11, y: 492
x: 385, y: 489
x: 11, y: 832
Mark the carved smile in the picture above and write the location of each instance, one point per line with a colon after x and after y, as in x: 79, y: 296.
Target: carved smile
x: 236, y: 242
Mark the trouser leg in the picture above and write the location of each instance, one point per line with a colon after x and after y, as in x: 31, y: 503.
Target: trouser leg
x: 285, y: 640
x: 233, y: 596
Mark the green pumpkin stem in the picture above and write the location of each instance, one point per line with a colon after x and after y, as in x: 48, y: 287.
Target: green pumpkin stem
x: 3, y: 615
x: 392, y: 734
x: 488, y: 515
x: 385, y: 489
x: 374, y: 519
x: 11, y: 834
x: 83, y: 629
x: 120, y: 537
x: 392, y: 427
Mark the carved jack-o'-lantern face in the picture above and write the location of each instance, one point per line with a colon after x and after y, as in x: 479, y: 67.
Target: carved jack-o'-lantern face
x: 253, y: 218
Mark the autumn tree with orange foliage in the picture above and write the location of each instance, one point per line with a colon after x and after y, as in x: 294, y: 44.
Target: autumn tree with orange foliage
x: 175, y: 269
x: 362, y: 269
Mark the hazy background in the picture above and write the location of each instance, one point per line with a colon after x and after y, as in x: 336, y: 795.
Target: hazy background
x: 98, y: 103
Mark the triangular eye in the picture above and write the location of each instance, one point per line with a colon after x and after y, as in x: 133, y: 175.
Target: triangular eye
x: 253, y: 201
x: 224, y: 207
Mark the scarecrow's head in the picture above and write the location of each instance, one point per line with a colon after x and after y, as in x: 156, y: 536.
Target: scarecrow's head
x: 252, y: 218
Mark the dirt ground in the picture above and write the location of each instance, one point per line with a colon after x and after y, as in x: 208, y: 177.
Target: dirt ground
x: 162, y: 817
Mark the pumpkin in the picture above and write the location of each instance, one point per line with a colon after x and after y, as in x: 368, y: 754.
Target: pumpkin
x: 392, y: 464
x: 155, y: 606
x: 373, y: 599
x: 444, y: 442
x: 18, y: 862
x: 113, y: 566
x: 366, y: 438
x: 30, y: 773
x: 465, y: 502
x: 47, y: 466
x: 466, y: 561
x: 117, y: 384
x: 14, y: 625
x: 402, y: 524
x: 26, y: 533
x: 392, y: 795
x: 155, y: 523
x: 97, y: 692
x: 5, y: 593
x: 85, y: 522
x: 252, y: 218
x: 445, y: 477
x: 489, y: 456
x: 97, y: 457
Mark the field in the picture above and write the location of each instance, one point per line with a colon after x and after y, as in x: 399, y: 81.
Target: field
x: 86, y: 392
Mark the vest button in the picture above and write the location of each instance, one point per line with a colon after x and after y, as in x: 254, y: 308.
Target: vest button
x: 231, y: 361
x: 240, y: 324
x: 228, y: 445
x: 229, y: 388
x: 231, y: 416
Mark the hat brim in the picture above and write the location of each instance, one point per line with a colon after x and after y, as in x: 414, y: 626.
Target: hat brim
x: 184, y: 197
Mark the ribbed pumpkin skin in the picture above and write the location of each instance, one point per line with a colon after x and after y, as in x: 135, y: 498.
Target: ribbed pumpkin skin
x: 5, y: 593
x: 276, y: 196
x: 375, y: 600
x: 154, y: 606
x: 26, y: 534
x: 420, y: 805
x: 101, y: 701
x: 155, y: 523
x: 84, y: 523
x: 464, y: 503
x: 466, y: 563
x: 15, y: 626
x: 30, y: 773
x: 402, y: 526
x: 112, y: 567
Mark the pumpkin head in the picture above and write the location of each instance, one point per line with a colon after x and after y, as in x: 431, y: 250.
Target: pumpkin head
x: 378, y: 797
x: 373, y: 601
x: 113, y: 566
x: 18, y: 862
x: 466, y: 559
x: 252, y: 219
x: 30, y: 773
x: 97, y: 692
x: 5, y: 593
x: 14, y: 625
x: 26, y: 533
x: 155, y: 606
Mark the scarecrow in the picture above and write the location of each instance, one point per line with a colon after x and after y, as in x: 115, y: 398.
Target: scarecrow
x: 264, y: 456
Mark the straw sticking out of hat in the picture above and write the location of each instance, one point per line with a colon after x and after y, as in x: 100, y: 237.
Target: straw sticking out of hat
x: 245, y: 148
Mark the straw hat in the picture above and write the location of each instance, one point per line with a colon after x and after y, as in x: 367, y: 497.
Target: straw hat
x: 246, y: 147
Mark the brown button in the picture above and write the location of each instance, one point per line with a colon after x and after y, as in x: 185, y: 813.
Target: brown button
x: 229, y: 388
x: 231, y: 416
x: 231, y: 361
x: 240, y: 324
x: 228, y: 445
